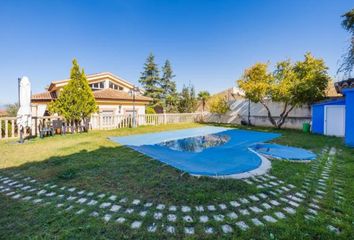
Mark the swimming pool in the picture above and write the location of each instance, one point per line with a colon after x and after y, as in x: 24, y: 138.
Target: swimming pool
x: 206, y: 151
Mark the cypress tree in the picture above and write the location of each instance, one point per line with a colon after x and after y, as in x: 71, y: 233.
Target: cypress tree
x: 76, y: 101
x: 169, y: 95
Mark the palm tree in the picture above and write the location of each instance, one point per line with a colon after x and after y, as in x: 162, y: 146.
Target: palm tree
x: 203, y: 96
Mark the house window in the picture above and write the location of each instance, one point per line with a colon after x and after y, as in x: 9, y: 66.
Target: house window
x: 97, y: 86
x: 115, y: 86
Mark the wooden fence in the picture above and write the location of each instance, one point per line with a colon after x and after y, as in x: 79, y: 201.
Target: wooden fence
x: 9, y: 129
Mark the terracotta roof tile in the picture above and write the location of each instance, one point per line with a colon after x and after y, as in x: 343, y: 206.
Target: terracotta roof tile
x: 44, y: 96
x: 112, y: 94
x: 104, y: 94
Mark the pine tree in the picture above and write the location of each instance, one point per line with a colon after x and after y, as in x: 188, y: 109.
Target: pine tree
x: 188, y: 101
x: 150, y: 81
x: 169, y: 95
x: 76, y: 101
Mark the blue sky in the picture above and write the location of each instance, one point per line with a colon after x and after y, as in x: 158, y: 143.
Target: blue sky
x: 209, y: 43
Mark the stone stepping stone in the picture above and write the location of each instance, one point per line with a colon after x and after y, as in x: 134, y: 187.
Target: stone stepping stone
x: 232, y: 215
x: 219, y: 217
x: 102, y: 195
x: 81, y: 200
x: 27, y: 198
x: 235, y: 204
x: 262, y: 195
x: 38, y: 200
x: 189, y: 230
x: 309, y: 217
x: 294, y: 204
x: 284, y: 199
x: 209, y: 230
x: 107, y: 217
x: 71, y: 198
x: 120, y: 220
x: 129, y: 211
x: 123, y: 200
x: 256, y: 209
x: 185, y: 209
x: 254, y: 198
x: 188, y: 219
x: 226, y: 228
x: 158, y: 215
x: 314, y: 206
x: 171, y: 217
x: 242, y: 225
x: 105, y: 205
x: 152, y: 228
x: 203, y: 219
x: 90, y: 194
x: 149, y: 204
x: 222, y: 206
x: 244, y: 200
x: 69, y: 208
x: 280, y: 215
x: 81, y: 192
x: 171, y: 229
x: 41, y: 192
x: 136, y: 202
x: 289, y: 210
x: 92, y: 203
x: 136, y: 225
x: 300, y: 195
x: 269, y: 219
x: 143, y: 213
x: 266, y: 206
x: 211, y: 208
x: 312, y: 211
x: 199, y: 208
x: 80, y: 211
x: 172, y: 208
x: 244, y: 212
x: 248, y: 181
x: 260, y: 186
x: 285, y: 188
x: 71, y: 189
x: 115, y: 208
x: 113, y: 198
x: 59, y: 205
x: 17, y: 196
x: 333, y: 229
x: 160, y: 207
x: 257, y: 222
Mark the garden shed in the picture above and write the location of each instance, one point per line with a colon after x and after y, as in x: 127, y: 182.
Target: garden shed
x: 335, y: 117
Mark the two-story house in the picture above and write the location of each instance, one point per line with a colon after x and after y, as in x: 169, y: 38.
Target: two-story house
x: 112, y: 93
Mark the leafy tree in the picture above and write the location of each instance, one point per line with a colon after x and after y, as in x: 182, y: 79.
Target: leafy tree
x: 150, y: 80
x: 169, y: 94
x: 348, y: 59
x: 302, y: 83
x: 203, y: 96
x: 219, y: 105
x: 12, y: 109
x: 76, y: 101
x: 187, y: 100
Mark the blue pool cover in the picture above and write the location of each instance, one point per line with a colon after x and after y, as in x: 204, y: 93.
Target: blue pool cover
x: 283, y: 152
x: 224, y: 157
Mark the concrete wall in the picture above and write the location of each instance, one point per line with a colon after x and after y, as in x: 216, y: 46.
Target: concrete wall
x: 259, y: 116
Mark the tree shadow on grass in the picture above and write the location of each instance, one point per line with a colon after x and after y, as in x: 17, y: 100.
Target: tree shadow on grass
x: 125, y: 172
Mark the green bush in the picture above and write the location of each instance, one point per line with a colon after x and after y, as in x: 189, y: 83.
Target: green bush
x: 150, y: 110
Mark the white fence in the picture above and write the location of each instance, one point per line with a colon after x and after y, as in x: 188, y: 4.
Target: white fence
x: 8, y: 127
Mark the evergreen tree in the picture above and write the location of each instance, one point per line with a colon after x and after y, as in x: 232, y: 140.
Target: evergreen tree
x: 169, y: 96
x: 187, y: 101
x: 76, y: 101
x: 150, y: 81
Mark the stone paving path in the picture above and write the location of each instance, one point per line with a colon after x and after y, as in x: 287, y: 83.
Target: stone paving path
x: 276, y: 201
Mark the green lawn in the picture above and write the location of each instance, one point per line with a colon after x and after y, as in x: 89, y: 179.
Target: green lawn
x: 92, y: 163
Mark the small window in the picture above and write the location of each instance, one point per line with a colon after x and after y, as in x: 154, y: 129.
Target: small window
x: 96, y: 86
x: 115, y: 86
